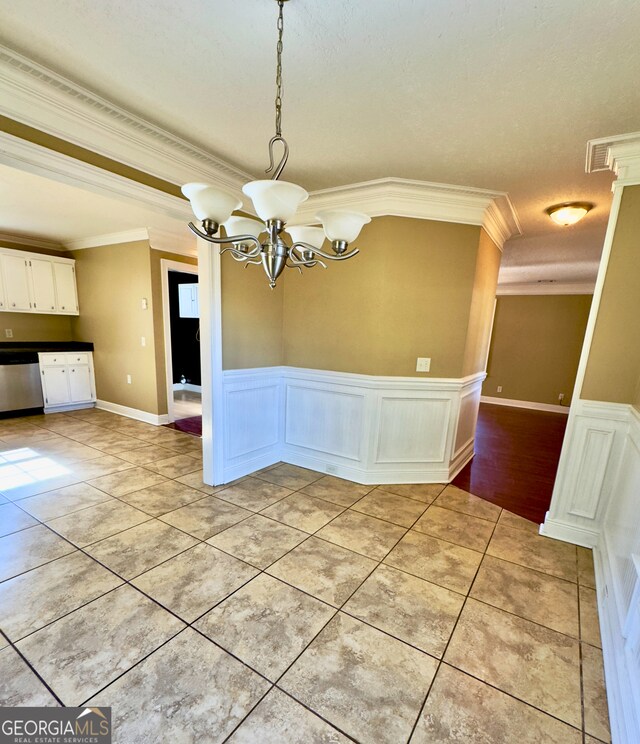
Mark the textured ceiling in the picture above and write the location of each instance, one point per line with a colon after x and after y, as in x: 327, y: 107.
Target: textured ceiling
x: 499, y: 94
x: 37, y: 207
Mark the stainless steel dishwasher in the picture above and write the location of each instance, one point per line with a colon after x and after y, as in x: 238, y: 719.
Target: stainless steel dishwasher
x: 20, y: 386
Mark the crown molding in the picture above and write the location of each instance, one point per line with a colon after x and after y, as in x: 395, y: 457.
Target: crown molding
x: 41, y: 98
x: 96, y: 241
x: 621, y: 154
x: 52, y: 245
x: 159, y: 240
x: 544, y: 288
x: 424, y: 200
x: 27, y: 156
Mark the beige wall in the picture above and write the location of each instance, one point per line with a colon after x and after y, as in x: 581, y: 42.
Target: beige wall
x: 535, y: 347
x: 155, y: 257
x: 112, y: 280
x: 251, y: 316
x: 35, y: 327
x: 407, y: 294
x: 482, y: 305
x: 613, y: 366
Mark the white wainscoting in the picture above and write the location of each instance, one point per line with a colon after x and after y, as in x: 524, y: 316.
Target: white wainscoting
x: 617, y: 561
x: 588, y: 465
x: 596, y: 503
x: 364, y: 428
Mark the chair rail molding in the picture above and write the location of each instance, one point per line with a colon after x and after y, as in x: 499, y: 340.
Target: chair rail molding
x: 365, y: 428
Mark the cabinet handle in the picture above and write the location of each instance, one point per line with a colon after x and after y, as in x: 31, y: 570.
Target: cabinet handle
x: 13, y: 304
x: 52, y: 307
x: 63, y: 307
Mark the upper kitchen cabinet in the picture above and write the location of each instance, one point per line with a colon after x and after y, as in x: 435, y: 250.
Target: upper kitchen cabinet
x: 64, y: 272
x: 35, y: 283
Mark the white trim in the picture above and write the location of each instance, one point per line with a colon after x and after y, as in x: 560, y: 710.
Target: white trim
x: 127, y: 236
x: 552, y: 288
x: 51, y: 245
x: 569, y: 532
x: 624, y: 715
x: 39, y: 97
x: 401, y: 197
x: 27, y: 156
x: 524, y: 404
x: 213, y: 411
x: 165, y: 267
x: 621, y: 154
x: 133, y: 413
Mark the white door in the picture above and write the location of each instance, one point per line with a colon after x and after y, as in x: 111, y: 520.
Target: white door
x: 16, y: 282
x: 44, y: 294
x: 80, y: 383
x: 65, y: 275
x: 55, y: 385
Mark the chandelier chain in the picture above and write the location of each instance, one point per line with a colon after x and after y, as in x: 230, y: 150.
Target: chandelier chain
x: 278, y: 101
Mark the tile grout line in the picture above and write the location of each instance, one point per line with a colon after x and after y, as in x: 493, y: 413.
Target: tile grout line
x: 453, y: 630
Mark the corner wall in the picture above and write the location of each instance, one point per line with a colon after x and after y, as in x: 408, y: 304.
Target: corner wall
x: 407, y: 294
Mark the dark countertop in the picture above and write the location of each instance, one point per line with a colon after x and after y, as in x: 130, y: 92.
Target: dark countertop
x: 27, y: 351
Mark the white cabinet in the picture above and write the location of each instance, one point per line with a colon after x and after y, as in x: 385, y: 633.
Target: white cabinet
x: 188, y: 301
x: 43, y: 291
x: 55, y: 386
x: 15, y: 270
x: 65, y: 280
x: 80, y: 383
x: 34, y: 283
x: 67, y: 380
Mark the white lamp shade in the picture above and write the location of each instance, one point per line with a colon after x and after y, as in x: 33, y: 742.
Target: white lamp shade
x: 568, y: 214
x: 339, y: 224
x: 275, y: 200
x: 209, y: 203
x: 243, y: 226
x: 312, y: 235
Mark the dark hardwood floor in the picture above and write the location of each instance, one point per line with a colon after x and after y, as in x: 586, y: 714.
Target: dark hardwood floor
x: 517, y: 453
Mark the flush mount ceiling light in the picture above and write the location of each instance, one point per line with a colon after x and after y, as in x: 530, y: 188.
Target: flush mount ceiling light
x: 275, y: 203
x: 568, y: 213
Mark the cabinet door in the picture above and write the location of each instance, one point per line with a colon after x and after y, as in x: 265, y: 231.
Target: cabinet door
x: 65, y: 275
x: 44, y: 294
x: 16, y: 282
x: 55, y: 385
x: 80, y: 383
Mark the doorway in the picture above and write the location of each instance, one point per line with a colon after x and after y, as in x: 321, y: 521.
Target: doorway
x: 181, y: 308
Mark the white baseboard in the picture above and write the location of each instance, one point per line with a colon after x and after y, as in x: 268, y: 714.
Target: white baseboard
x: 68, y: 407
x: 525, y: 404
x: 133, y: 413
x: 570, y: 533
x: 187, y: 386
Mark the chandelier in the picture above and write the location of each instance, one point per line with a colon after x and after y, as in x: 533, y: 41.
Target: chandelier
x: 275, y: 202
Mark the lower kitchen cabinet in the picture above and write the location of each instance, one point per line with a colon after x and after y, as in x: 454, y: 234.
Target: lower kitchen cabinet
x: 67, y: 380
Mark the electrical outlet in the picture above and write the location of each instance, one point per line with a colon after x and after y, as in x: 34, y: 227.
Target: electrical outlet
x: 143, y: 341
x: 128, y: 379
x: 561, y: 397
x: 499, y: 389
x: 8, y: 332
x: 144, y: 303
x: 423, y: 364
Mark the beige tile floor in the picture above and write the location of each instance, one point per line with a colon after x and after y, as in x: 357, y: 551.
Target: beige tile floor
x: 286, y: 607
